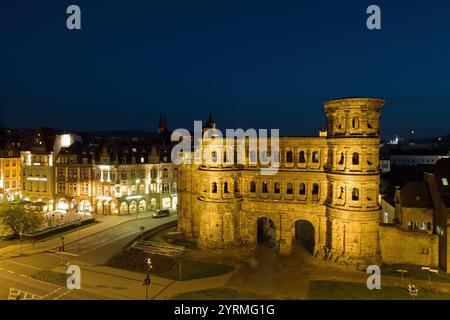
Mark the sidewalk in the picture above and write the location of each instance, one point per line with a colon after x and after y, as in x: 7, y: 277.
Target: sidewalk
x: 103, y: 223
x: 113, y: 283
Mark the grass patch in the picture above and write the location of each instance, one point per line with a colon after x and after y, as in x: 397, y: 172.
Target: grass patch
x: 220, y: 294
x: 136, y: 260
x: 334, y: 290
x: 52, y: 277
x: 191, y: 269
x: 166, y: 267
x: 414, y: 272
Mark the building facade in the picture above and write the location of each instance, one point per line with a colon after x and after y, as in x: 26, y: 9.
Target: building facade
x: 10, y: 175
x: 116, y: 175
x: 327, y: 184
x: 37, y: 160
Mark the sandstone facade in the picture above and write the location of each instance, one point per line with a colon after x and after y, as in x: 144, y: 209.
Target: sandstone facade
x: 330, y: 181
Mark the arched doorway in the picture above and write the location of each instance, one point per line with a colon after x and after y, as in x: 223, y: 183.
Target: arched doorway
x: 142, y: 206
x: 304, y: 235
x: 74, y: 205
x: 266, y: 232
x: 106, y: 207
x: 153, y: 204
x: 85, y: 206
x: 123, y: 209
x: 133, y: 207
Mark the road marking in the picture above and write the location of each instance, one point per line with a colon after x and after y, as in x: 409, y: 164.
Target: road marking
x: 62, y: 295
x: 64, y: 253
x: 16, y: 294
x: 23, y: 275
x: 54, y: 291
x: 11, y: 271
x: 22, y: 264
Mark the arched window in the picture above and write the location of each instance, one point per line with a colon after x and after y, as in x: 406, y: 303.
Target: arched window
x: 355, y: 194
x: 276, y: 187
x: 355, y: 158
x: 252, y: 186
x: 315, y: 189
x: 302, y: 190
x: 290, y: 188
x: 355, y: 123
x: 214, y: 156
x: 225, y: 187
x: 214, y: 187
x: 301, y: 157
x: 225, y: 160
x: 315, y: 157
x: 289, y: 157
x: 341, y: 160
x: 265, y: 188
x: 236, y: 186
x: 165, y: 173
x: 341, y: 193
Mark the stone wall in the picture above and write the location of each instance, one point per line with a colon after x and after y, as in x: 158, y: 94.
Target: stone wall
x: 406, y: 247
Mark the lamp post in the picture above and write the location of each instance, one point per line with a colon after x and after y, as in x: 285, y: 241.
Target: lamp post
x: 137, y: 188
x: 402, y: 272
x: 147, y: 280
x: 21, y: 241
x: 430, y: 271
x: 427, y: 269
x: 79, y: 235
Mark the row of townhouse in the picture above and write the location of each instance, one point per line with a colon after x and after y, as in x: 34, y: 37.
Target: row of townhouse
x: 106, y: 173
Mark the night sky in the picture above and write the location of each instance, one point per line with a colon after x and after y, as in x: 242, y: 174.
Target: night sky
x: 259, y: 64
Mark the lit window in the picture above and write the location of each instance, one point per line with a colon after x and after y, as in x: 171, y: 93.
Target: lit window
x: 444, y: 181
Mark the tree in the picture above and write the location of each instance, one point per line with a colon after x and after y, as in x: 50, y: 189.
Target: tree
x: 16, y: 218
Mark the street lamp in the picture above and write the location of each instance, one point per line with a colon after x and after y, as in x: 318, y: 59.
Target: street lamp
x: 21, y: 241
x: 137, y: 191
x: 430, y: 271
x: 147, y: 280
x: 402, y: 272
x: 79, y: 235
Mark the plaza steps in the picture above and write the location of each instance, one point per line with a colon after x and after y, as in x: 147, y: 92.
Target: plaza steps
x: 159, y: 248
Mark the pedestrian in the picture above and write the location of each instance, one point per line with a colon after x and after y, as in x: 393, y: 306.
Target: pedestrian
x: 61, y: 245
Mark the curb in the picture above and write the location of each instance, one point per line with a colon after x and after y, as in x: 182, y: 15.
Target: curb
x: 84, y: 237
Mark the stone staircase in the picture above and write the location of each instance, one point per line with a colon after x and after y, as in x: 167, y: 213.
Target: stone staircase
x: 159, y: 248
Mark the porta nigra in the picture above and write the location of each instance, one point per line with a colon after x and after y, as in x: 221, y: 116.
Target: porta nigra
x: 326, y: 185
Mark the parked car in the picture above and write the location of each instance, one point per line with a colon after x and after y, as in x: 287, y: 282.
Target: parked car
x: 161, y: 213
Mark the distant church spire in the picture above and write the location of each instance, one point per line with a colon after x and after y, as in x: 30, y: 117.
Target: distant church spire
x: 162, y: 124
x: 210, y: 123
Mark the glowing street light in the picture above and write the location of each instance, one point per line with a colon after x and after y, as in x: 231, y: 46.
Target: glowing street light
x: 430, y: 271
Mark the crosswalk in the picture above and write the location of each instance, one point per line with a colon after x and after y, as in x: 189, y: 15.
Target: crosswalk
x: 17, y: 294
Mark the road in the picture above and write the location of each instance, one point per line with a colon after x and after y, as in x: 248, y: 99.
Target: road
x: 90, y: 252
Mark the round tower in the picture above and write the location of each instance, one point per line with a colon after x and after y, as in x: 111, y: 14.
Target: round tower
x: 353, y: 212
x: 220, y: 201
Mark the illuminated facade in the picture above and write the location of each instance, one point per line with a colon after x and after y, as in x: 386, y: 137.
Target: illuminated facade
x: 10, y: 178
x: 327, y: 184
x: 37, y: 168
x: 114, y: 175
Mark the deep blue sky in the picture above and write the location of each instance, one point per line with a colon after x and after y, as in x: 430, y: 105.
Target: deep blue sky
x: 260, y: 64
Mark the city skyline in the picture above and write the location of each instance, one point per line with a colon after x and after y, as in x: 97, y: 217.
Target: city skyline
x: 251, y: 66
